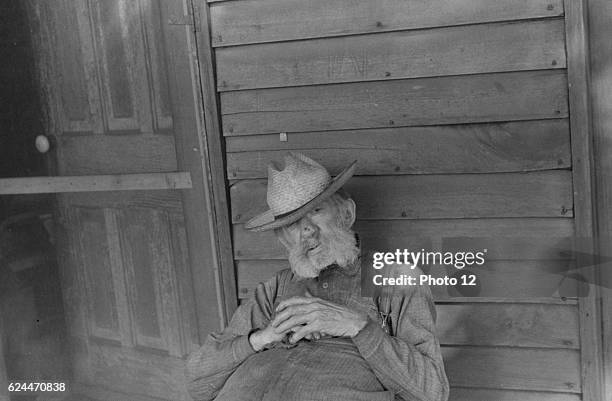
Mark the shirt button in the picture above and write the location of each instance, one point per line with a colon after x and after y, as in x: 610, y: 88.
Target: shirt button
x: 325, y: 285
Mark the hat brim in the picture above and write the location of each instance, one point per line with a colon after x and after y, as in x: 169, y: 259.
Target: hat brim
x: 267, y: 221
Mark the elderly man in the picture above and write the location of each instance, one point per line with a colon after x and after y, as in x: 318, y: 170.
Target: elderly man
x: 308, y: 334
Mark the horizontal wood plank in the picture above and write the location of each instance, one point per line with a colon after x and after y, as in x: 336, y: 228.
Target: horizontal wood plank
x: 499, y: 324
x: 526, y: 95
x: 116, y: 154
x: 252, y: 21
x: 513, y: 368
x: 168, y: 200
x: 469, y: 49
x: 540, y: 281
x: 509, y: 239
x: 452, y: 149
x: 516, y: 325
x: 536, y: 194
x: 95, y: 183
x: 475, y: 394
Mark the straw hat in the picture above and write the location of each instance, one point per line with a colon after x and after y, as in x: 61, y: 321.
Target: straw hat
x: 296, y: 190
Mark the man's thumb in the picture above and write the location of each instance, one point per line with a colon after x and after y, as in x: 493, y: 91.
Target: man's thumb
x: 307, y: 294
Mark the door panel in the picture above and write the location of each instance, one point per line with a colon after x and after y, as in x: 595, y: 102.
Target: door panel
x: 139, y: 268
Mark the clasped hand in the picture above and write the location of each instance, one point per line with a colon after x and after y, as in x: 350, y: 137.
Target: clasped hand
x: 310, y: 317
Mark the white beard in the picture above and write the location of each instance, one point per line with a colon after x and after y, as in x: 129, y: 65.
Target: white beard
x: 336, y: 245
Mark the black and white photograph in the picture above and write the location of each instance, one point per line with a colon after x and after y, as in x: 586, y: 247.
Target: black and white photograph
x: 305, y: 200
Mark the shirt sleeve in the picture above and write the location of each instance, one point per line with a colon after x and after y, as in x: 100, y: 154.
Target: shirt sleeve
x: 408, y: 363
x: 209, y: 367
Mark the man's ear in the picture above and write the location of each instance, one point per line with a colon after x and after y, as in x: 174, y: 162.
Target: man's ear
x: 350, y: 211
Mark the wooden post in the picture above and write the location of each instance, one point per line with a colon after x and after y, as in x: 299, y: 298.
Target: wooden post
x: 600, y: 31
x: 211, y: 140
x: 576, y: 29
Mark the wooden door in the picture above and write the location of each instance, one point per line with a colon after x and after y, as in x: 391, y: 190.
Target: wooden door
x: 139, y: 268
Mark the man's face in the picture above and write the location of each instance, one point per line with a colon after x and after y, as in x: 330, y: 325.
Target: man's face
x: 321, y: 238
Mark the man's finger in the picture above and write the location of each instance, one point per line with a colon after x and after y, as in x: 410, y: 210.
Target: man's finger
x: 295, y: 321
x: 302, y: 332
x: 294, y: 301
x: 291, y: 311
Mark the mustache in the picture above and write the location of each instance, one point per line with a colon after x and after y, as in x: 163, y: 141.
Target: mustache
x: 336, y: 245
x: 309, y: 243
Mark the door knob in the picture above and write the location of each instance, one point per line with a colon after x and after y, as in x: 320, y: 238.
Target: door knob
x: 42, y: 143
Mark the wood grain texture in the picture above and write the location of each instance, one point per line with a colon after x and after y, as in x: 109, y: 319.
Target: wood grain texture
x: 119, y: 41
x: 213, y: 164
x: 155, y: 51
x: 118, y: 268
x: 513, y: 281
x: 512, y: 239
x: 95, y: 183
x: 151, y: 279
x: 167, y: 200
x: 471, y: 148
x: 250, y: 21
x: 513, y: 368
x: 141, y: 272
x: 70, y: 268
x: 409, y: 54
x: 424, y: 101
x: 181, y: 263
x: 536, y: 194
x: 473, y: 394
x: 125, y: 154
x: 75, y: 99
x: 102, y: 316
x: 577, y: 43
x: 189, y: 134
x: 516, y: 325
x: 496, y: 324
x: 600, y: 31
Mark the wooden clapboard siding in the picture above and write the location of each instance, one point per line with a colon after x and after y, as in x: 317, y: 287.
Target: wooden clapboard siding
x: 473, y: 394
x: 424, y: 95
x: 517, y: 325
x: 252, y: 21
x: 472, y: 148
x: 585, y: 193
x: 511, y: 280
x: 509, y: 239
x: 513, y: 368
x: 510, y: 96
x: 600, y: 30
x: 406, y: 138
x: 539, y: 325
x: 537, y: 194
x: 409, y: 54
